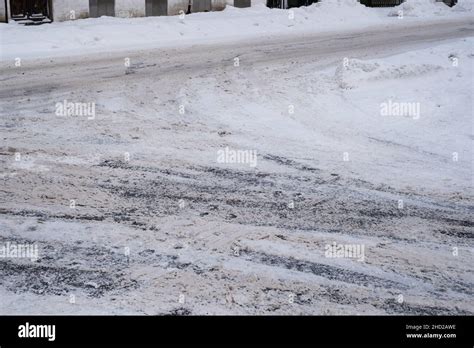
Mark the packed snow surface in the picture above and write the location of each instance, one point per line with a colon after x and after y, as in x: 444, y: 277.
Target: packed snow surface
x: 104, y: 34
x: 160, y: 226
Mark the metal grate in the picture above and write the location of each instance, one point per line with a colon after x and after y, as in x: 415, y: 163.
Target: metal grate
x: 289, y: 3
x: 381, y: 3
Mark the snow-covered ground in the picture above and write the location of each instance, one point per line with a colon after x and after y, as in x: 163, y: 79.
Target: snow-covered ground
x: 160, y: 225
x: 95, y: 35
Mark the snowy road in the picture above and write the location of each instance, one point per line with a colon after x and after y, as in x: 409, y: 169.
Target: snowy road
x: 75, y: 72
x: 158, y: 226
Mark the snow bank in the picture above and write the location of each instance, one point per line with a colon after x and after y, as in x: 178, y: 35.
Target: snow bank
x: 95, y: 35
x: 340, y: 13
x: 340, y: 3
x: 464, y: 6
x: 354, y: 72
x: 421, y: 8
x: 429, y: 8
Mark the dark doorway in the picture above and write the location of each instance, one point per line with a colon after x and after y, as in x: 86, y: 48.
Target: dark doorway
x: 381, y: 3
x: 30, y: 10
x: 156, y: 7
x: 98, y: 8
x: 201, y: 5
x: 241, y: 3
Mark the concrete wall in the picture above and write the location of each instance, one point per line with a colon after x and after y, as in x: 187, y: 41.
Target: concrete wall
x: 2, y: 11
x: 62, y: 9
x: 123, y: 8
x: 130, y: 8
x: 174, y: 6
x: 250, y: 2
x: 218, y: 5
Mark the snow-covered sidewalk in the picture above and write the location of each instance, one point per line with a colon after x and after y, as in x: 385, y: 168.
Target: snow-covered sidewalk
x: 106, y: 34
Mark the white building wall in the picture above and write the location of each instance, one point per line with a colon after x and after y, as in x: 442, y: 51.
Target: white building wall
x: 130, y: 8
x: 62, y: 9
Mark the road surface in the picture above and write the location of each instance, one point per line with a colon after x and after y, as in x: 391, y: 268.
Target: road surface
x: 132, y: 214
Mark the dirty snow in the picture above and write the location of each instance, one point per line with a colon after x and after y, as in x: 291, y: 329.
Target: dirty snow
x: 159, y: 227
